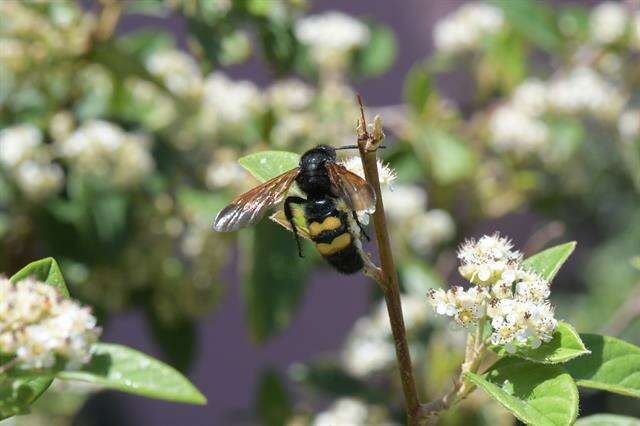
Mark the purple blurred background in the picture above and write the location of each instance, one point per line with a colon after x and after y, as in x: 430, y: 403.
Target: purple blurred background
x: 228, y: 363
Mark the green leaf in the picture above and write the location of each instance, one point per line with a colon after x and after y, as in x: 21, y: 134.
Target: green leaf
x: 45, y: 270
x: 17, y: 394
x: 564, y: 346
x: 121, y: 368
x: 418, y: 87
x: 607, y: 420
x: 274, y: 278
x: 450, y: 158
x: 613, y: 365
x: 378, y: 55
x: 266, y: 165
x: 533, y: 20
x: 146, y: 41
x: 273, y: 403
x: 537, y: 394
x: 548, y: 262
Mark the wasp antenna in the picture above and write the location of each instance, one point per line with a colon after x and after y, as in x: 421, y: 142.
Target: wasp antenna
x: 346, y: 147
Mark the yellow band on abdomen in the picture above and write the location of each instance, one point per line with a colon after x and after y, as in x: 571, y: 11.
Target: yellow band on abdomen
x: 329, y: 224
x: 340, y: 242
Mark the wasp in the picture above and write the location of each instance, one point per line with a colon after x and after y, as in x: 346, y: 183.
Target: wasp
x: 333, y: 196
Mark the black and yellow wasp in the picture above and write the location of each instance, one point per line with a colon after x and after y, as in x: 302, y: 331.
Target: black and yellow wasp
x: 333, y: 196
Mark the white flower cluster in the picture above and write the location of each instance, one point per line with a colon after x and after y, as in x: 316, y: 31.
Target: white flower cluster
x: 178, y: 71
x: 584, y: 91
x: 102, y: 149
x: 512, y: 297
x: 289, y: 95
x: 28, y: 162
x: 230, y: 101
x: 608, y: 22
x: 344, y: 411
x: 37, y: 324
x: 406, y: 209
x: 465, y: 28
x: 369, y: 346
x: 629, y: 124
x: 386, y: 174
x: 518, y: 125
x: 331, y: 36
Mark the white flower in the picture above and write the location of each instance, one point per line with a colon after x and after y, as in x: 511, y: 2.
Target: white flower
x: 367, y: 348
x: 514, y: 130
x: 531, y: 286
x: 331, y: 37
x: 102, y: 149
x: 289, y: 95
x: 332, y: 30
x: 466, y: 27
x: 18, y: 143
x: 583, y: 90
x: 386, y: 174
x: 484, y: 261
x: 37, y: 324
x: 221, y: 174
x: 404, y: 202
x: 608, y: 22
x: 466, y: 307
x: 530, y: 97
x: 429, y: 229
x: 522, y: 323
x: 629, y: 124
x: 39, y: 180
x: 178, y: 71
x: 344, y: 411
x: 232, y: 101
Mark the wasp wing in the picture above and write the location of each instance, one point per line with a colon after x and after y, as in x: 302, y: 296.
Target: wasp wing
x: 248, y: 208
x: 354, y: 190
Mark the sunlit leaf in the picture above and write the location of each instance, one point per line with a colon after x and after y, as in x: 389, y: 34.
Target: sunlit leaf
x: 379, y: 54
x: 417, y: 87
x: 607, y: 420
x: 613, y: 365
x: 45, y: 270
x: 265, y: 165
x: 537, y: 394
x: 547, y: 263
x: 127, y: 370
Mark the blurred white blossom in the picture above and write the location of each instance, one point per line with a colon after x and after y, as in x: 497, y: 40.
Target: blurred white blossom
x: 18, y: 143
x: 178, y: 70
x: 102, y: 149
x: 38, y: 180
x: 608, y: 22
x: 629, y: 124
x: 530, y: 97
x: 344, y: 411
x: 583, y: 90
x: 404, y: 201
x: 37, y: 324
x: 221, y: 174
x: 331, y: 36
x: 430, y: 229
x: 289, y: 95
x: 465, y: 28
x: 231, y: 101
x: 635, y: 31
x: 512, y: 129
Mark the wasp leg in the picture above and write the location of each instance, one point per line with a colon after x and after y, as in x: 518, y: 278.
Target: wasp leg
x: 355, y: 217
x: 288, y: 212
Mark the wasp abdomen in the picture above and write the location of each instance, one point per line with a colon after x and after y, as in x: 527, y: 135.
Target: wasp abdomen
x: 335, y: 241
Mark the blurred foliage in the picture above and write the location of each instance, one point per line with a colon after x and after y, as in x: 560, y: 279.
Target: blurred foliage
x: 118, y: 148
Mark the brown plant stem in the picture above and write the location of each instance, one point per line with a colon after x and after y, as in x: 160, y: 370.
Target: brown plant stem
x: 388, y: 277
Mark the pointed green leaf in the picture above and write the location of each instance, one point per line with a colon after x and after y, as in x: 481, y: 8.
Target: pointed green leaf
x: 565, y: 345
x: 537, y: 394
x: 16, y: 394
x: 121, y: 368
x: 613, y: 365
x: 273, y: 403
x: 266, y: 165
x: 608, y: 420
x: 378, y: 55
x: 45, y: 270
x: 548, y: 262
